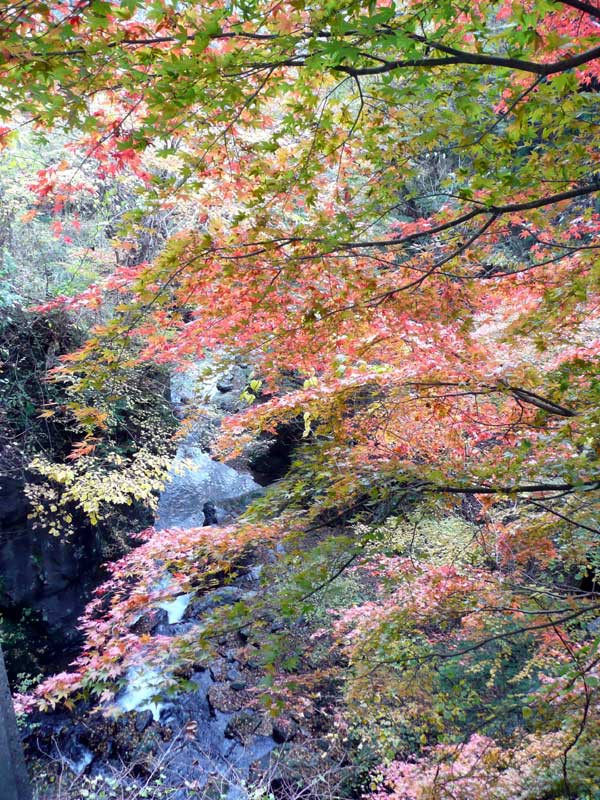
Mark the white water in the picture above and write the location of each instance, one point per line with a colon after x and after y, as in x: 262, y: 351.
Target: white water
x: 176, y: 608
x: 143, y: 684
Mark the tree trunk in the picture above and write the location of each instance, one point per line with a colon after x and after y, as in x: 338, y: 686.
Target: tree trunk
x: 14, y: 783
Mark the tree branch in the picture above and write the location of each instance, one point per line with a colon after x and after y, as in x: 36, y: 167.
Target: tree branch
x: 580, y: 5
x: 453, y: 55
x: 456, y: 56
x: 541, y: 402
x: 509, y: 208
x: 512, y: 490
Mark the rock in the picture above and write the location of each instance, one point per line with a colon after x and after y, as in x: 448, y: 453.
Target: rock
x: 246, y: 724
x: 176, y: 629
x: 222, y: 697
x: 192, y: 705
x: 218, y: 670
x: 210, y: 514
x: 66, y: 740
x: 256, y: 572
x: 196, y: 479
x: 239, y: 685
x: 53, y: 576
x: 150, y: 621
x: 143, y: 720
x: 225, y: 384
x: 284, y: 730
x: 225, y: 595
x: 270, y: 456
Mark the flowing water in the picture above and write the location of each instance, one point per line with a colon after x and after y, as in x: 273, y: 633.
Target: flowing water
x: 200, y: 491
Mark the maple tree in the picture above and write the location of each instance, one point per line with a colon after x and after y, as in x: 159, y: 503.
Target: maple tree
x: 396, y: 220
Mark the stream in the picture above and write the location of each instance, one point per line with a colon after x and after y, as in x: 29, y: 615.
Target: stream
x: 201, y: 491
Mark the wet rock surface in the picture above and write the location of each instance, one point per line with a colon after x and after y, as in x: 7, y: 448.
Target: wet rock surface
x: 48, y: 575
x: 149, y: 622
x: 225, y: 595
x: 197, y: 479
x: 209, y: 734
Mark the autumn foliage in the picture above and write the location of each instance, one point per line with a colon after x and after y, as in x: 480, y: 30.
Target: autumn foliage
x: 395, y: 218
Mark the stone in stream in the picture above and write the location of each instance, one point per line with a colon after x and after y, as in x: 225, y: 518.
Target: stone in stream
x: 225, y: 384
x: 195, y: 481
x: 219, y: 750
x: 225, y: 595
x: 76, y: 756
x: 143, y: 720
x: 210, y: 514
x: 150, y: 621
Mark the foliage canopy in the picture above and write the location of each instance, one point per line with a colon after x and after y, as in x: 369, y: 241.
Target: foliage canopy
x: 396, y: 218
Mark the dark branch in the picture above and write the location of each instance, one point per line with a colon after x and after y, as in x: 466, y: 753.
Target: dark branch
x: 453, y: 55
x: 497, y: 211
x: 580, y: 5
x: 576, y: 523
x: 512, y: 490
x: 541, y: 402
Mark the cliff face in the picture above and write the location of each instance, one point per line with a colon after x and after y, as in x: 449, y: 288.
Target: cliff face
x: 45, y: 582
